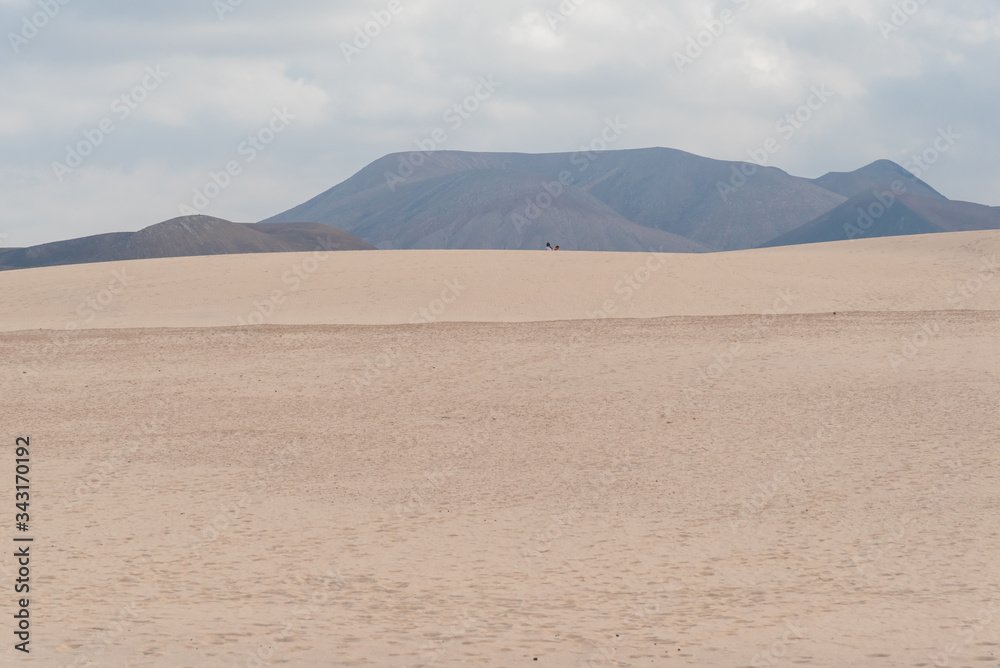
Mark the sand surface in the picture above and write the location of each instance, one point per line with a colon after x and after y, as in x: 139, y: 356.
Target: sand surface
x: 915, y: 273
x: 738, y: 477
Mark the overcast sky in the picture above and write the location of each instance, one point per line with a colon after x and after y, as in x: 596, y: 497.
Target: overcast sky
x: 153, y: 97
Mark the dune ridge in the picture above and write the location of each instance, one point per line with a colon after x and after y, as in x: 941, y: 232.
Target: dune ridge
x: 914, y: 273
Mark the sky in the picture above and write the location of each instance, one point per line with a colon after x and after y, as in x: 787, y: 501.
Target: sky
x: 115, y: 114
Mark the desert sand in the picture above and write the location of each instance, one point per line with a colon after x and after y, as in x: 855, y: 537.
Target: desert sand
x: 915, y: 273
x: 453, y: 458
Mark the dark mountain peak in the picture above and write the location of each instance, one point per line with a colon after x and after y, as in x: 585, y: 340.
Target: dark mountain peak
x: 191, y: 222
x: 185, y: 227
x: 883, y: 164
x: 881, y: 174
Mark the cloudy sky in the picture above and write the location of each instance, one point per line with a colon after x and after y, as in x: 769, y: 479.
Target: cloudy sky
x: 115, y: 114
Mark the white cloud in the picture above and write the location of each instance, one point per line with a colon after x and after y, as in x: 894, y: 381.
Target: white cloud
x: 235, y: 92
x: 608, y: 58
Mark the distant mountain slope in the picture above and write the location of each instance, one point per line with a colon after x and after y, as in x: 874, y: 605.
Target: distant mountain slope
x: 867, y: 216
x: 708, y: 201
x: 188, y: 235
x: 495, y: 210
x: 880, y: 174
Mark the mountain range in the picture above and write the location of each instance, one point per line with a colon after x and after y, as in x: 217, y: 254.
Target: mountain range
x: 188, y: 235
x: 654, y: 199
x: 641, y: 199
x: 881, y: 213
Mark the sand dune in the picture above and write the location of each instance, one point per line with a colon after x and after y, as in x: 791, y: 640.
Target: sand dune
x: 723, y: 486
x: 390, y: 287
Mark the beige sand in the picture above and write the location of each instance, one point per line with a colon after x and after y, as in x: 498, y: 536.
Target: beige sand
x: 714, y: 488
x: 390, y: 287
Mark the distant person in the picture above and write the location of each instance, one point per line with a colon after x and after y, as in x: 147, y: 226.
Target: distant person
x: 548, y: 246
x: 556, y: 248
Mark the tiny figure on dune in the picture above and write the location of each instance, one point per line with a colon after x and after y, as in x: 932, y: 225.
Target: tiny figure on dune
x: 556, y: 248
x: 548, y: 246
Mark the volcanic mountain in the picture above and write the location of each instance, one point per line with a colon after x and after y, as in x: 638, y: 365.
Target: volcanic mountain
x: 187, y: 235
x: 882, y: 213
x: 582, y: 201
x: 653, y: 199
x: 881, y: 174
